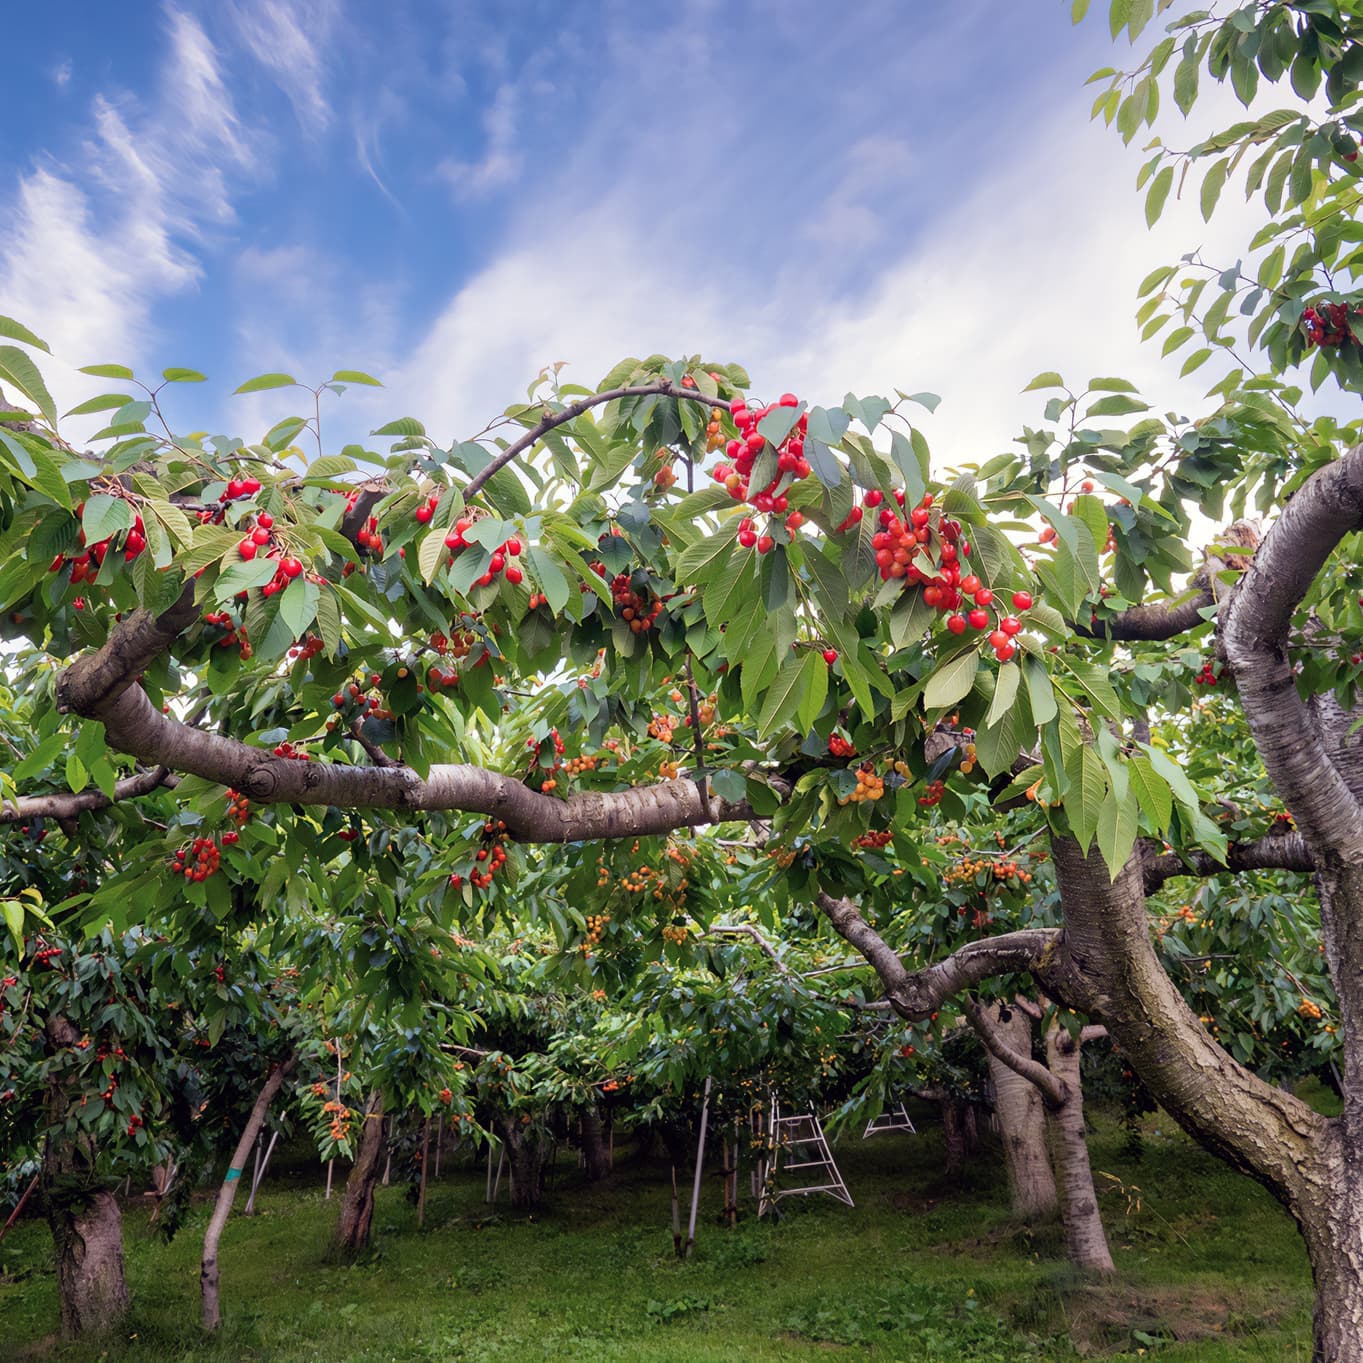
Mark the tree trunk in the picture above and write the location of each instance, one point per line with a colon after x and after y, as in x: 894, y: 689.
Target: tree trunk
x: 86, y: 1222
x: 594, y: 1149
x: 956, y: 1132
x: 525, y: 1154
x: 88, y: 1234
x: 1084, y: 1235
x: 357, y: 1203
x: 227, y: 1193
x: 1022, y: 1123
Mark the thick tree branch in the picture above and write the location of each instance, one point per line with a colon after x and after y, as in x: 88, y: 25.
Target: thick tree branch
x: 1052, y: 1088
x: 1254, y: 638
x: 664, y: 388
x: 1162, y: 621
x: 917, y: 994
x: 65, y: 805
x: 134, y: 726
x: 1274, y: 852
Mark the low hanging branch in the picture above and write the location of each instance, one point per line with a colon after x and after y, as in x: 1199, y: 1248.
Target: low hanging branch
x: 1275, y: 852
x: 917, y: 994
x: 65, y: 805
x: 664, y: 388
x: 1051, y: 1086
x: 133, y: 725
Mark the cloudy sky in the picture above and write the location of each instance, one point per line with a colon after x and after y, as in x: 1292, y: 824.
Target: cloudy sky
x: 452, y: 194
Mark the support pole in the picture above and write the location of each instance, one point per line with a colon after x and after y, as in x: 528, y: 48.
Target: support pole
x: 261, y: 1166
x: 700, y: 1162
x: 421, y: 1190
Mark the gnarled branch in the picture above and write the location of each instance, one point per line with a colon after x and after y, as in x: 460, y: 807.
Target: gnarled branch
x: 1274, y: 852
x: 65, y: 805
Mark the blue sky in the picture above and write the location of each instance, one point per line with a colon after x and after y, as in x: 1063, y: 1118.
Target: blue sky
x: 884, y: 194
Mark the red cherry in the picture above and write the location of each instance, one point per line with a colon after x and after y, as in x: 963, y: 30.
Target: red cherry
x: 513, y: 546
x: 970, y: 585
x: 514, y: 575
x: 983, y: 597
x: 290, y: 567
x: 1022, y: 601
x: 978, y: 619
x: 956, y: 624
x: 424, y: 514
x: 234, y: 489
x: 1006, y: 651
x: 338, y: 700
x: 247, y: 549
x: 250, y: 486
x: 1010, y: 624
x: 788, y: 400
x: 997, y: 639
x: 765, y: 544
x: 265, y: 520
x: 260, y: 536
x: 874, y: 497
x: 747, y: 538
x: 830, y: 656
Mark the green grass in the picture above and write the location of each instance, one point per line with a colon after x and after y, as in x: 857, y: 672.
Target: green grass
x: 1210, y: 1271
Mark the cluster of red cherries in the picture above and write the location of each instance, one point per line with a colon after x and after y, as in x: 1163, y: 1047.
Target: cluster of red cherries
x: 791, y: 467
x: 490, y: 858
x: 635, y: 608
x: 232, y: 633
x: 1328, y: 325
x: 500, y: 562
x: 85, y: 566
x: 200, y: 859
x: 1206, y: 676
x: 838, y: 746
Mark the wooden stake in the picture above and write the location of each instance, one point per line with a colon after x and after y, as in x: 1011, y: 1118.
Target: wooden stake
x: 261, y: 1166
x: 700, y: 1162
x: 14, y: 1215
x: 421, y: 1190
x: 676, y: 1215
x: 439, y: 1141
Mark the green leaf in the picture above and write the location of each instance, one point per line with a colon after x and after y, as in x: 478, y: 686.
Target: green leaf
x: 1152, y: 793
x: 41, y: 757
x: 77, y: 775
x: 814, y: 686
x: 242, y: 576
x: 1158, y: 193
x: 1005, y: 693
x: 14, y: 920
x: 329, y: 621
x: 263, y: 381
x: 107, y: 371
x: 1087, y: 793
x: 104, y: 516
x: 104, y: 403
x: 784, y: 697
x: 183, y: 376
x: 952, y: 681
x: 355, y: 376
x: 550, y: 577
x: 1047, y: 379
x: 1119, y: 404
x: 19, y: 371
x: 729, y: 785
x: 1211, y: 186
x: 1116, y: 832
x: 298, y: 606
x: 431, y: 554
x: 1195, y: 361
x: 701, y: 561
x: 403, y: 426
x: 16, y: 331
x: 1039, y: 690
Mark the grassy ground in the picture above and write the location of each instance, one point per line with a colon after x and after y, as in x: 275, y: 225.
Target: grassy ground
x: 1210, y: 1271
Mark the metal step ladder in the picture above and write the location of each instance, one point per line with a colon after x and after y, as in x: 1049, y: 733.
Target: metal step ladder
x: 892, y: 1119
x: 798, y: 1143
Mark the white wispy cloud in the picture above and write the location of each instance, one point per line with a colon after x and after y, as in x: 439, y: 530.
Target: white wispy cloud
x: 288, y: 38
x: 501, y: 161
x: 91, y: 245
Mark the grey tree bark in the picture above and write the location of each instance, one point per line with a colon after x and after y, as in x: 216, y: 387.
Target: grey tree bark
x: 357, y: 1202
x: 227, y: 1193
x: 525, y: 1152
x: 1022, y: 1122
x: 595, y: 1151
x: 84, y: 1217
